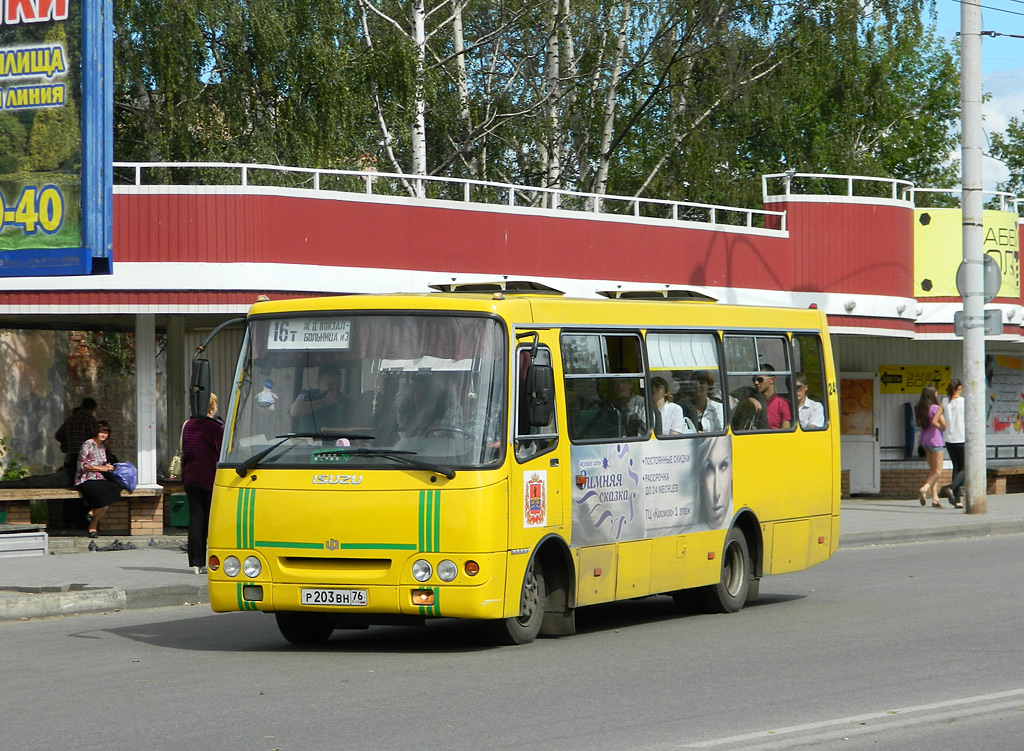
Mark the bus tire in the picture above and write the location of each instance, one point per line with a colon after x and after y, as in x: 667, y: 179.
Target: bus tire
x: 304, y: 628
x: 730, y: 594
x: 523, y: 628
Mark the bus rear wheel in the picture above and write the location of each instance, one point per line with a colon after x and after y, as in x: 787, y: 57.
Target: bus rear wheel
x: 304, y: 628
x: 730, y: 594
x: 523, y: 628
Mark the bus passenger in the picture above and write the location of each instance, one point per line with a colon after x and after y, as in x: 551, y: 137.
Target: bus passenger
x: 778, y: 412
x: 810, y: 413
x: 668, y: 416
x: 316, y: 409
x: 710, y: 413
x: 631, y: 407
x: 715, y: 481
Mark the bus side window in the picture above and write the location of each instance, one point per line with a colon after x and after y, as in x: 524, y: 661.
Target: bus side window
x: 530, y: 439
x: 687, y: 363
x: 759, y: 383
x: 605, y: 387
x: 811, y: 402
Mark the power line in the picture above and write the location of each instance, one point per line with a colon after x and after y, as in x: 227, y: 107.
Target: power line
x: 989, y: 7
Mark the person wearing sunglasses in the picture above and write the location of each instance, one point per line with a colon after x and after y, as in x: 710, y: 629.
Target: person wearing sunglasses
x: 777, y: 408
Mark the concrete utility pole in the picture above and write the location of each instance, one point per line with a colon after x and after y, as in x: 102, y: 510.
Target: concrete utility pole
x: 974, y: 240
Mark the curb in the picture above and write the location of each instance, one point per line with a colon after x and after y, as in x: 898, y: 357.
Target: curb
x: 20, y: 605
x: 891, y: 537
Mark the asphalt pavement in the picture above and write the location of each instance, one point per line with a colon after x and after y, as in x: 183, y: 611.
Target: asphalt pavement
x: 72, y: 579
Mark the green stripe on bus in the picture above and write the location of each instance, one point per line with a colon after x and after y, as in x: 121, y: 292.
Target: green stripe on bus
x: 430, y: 521
x: 250, y: 517
x: 238, y: 518
x: 286, y: 544
x: 243, y: 604
x: 244, y: 517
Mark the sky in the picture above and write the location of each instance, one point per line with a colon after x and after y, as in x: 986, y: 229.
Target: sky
x: 1002, y: 67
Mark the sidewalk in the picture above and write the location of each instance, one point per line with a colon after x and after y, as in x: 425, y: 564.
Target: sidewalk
x: 72, y: 580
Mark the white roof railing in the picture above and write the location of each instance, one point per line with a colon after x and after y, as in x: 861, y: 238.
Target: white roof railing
x: 1005, y: 201
x: 811, y: 183
x: 457, y: 189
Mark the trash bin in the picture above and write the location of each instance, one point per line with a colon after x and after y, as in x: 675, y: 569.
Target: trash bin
x: 179, y: 510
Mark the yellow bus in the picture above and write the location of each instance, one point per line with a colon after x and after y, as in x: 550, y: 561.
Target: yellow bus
x: 501, y: 452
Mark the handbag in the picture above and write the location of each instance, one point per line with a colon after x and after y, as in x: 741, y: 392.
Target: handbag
x: 126, y: 475
x: 174, y: 470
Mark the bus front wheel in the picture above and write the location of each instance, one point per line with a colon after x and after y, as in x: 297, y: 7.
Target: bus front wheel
x: 523, y: 628
x: 304, y: 628
x: 730, y: 594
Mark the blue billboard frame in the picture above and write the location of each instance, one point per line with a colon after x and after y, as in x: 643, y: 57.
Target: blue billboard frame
x: 95, y: 256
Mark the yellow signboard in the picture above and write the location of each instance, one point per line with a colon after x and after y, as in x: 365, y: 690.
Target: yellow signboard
x: 910, y: 379
x: 938, y: 250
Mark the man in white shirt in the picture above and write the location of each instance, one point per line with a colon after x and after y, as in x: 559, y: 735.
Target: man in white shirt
x: 810, y: 413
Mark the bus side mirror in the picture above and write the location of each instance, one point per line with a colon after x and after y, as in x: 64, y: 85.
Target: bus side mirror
x: 199, y: 388
x: 540, y: 392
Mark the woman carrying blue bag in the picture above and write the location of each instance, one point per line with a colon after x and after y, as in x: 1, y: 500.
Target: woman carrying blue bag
x: 97, y: 489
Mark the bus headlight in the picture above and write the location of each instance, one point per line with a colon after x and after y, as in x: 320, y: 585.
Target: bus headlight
x: 232, y: 566
x: 421, y: 570
x: 252, y: 567
x: 447, y: 570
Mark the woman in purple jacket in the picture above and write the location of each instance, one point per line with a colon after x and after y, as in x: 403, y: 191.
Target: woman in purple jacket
x: 928, y: 415
x: 200, y: 449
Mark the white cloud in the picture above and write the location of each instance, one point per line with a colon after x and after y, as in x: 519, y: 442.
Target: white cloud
x: 1006, y: 88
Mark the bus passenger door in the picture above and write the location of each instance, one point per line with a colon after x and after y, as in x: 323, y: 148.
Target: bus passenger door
x: 538, y: 504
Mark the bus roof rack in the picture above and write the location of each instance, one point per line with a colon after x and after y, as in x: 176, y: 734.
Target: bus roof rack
x: 514, y: 286
x: 661, y: 292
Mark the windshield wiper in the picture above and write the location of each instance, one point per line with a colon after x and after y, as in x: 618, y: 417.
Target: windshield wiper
x: 254, y: 460
x: 399, y: 456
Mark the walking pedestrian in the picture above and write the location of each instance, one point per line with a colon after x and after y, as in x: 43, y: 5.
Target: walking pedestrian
x: 200, y: 449
x: 955, y: 436
x: 928, y: 416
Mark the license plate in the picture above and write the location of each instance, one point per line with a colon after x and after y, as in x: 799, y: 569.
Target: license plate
x: 341, y: 597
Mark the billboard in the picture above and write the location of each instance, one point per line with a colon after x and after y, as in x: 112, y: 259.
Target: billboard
x: 938, y: 250
x: 55, y: 137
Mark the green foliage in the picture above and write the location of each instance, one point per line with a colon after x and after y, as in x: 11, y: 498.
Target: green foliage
x: 116, y: 350
x: 13, y: 467
x: 700, y: 98
x: 1008, y: 147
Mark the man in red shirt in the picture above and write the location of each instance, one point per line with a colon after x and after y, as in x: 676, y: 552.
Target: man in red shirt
x: 778, y: 411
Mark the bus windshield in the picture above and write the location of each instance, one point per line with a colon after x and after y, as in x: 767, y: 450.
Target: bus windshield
x: 362, y: 390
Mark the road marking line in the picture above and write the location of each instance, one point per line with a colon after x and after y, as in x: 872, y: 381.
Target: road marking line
x: 768, y: 735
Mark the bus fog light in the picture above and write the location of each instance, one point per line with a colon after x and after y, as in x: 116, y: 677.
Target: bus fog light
x: 252, y: 567
x: 423, y: 597
x: 472, y: 568
x: 232, y: 566
x: 447, y: 570
x: 252, y: 593
x: 421, y: 570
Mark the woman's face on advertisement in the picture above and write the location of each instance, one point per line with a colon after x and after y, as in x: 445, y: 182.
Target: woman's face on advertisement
x: 716, y: 483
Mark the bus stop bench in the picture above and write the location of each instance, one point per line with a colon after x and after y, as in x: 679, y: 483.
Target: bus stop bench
x: 141, y: 514
x: 1002, y: 480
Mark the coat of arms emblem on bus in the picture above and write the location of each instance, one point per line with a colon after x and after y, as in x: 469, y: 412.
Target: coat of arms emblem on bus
x: 535, y: 503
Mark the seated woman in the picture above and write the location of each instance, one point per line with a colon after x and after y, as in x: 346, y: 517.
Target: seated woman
x: 669, y: 419
x: 96, y: 489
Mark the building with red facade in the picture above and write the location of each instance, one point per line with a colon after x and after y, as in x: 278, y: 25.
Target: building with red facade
x: 871, y: 253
